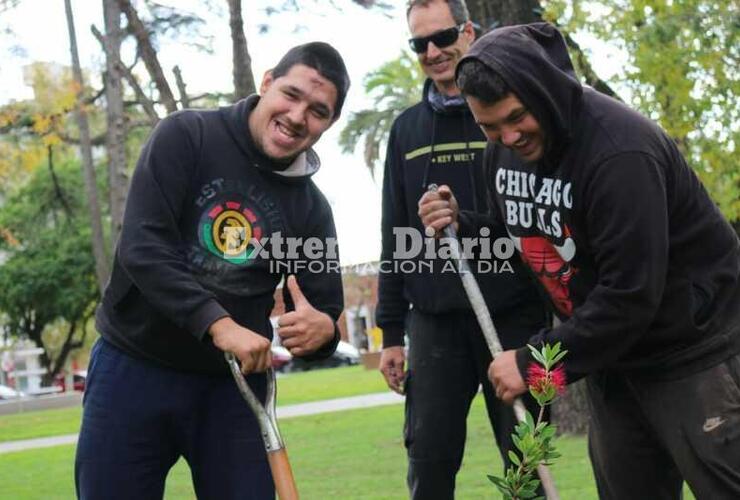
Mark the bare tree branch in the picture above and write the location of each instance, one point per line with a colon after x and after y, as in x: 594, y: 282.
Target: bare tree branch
x: 587, y: 70
x: 149, y: 55
x: 210, y: 95
x: 55, y: 182
x: 96, y: 140
x: 141, y: 97
x: 184, y: 100
x: 93, y: 98
x: 139, y: 124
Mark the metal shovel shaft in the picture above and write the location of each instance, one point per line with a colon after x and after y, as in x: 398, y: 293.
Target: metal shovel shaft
x: 472, y: 290
x: 277, y: 456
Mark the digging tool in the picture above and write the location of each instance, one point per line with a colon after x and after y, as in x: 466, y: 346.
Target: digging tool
x: 472, y: 290
x: 277, y: 456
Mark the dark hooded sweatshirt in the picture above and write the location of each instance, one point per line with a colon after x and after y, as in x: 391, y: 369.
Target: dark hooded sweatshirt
x: 640, y: 264
x: 179, y: 266
x: 437, y: 142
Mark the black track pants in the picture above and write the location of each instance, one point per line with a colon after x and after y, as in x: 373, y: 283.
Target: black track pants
x: 645, y: 438
x: 448, y: 359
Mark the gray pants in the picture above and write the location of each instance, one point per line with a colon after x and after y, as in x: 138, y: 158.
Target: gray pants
x: 646, y: 437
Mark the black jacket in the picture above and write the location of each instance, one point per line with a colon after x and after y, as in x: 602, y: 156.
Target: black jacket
x: 442, y: 145
x: 179, y: 266
x: 642, y: 267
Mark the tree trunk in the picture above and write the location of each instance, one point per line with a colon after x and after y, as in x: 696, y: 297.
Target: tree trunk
x: 69, y: 344
x: 242, y: 62
x: 149, y: 55
x: 570, y: 411
x: 88, y: 168
x: 116, y: 133
x: 141, y: 97
x: 489, y: 14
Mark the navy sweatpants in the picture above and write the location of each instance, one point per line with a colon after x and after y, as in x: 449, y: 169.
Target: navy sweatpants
x: 139, y: 418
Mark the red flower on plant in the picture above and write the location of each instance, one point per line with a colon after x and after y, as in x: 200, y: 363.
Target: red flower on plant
x: 557, y: 375
x: 539, y: 379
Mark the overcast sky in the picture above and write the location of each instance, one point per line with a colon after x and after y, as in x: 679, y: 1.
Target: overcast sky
x: 365, y: 38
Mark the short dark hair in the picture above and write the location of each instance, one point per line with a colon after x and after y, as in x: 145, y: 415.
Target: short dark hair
x: 458, y: 8
x: 477, y: 80
x: 323, y: 58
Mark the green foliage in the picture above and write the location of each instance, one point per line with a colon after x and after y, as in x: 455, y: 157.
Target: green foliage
x: 533, y: 439
x: 393, y: 87
x: 47, y: 272
x: 549, y: 356
x: 683, y: 70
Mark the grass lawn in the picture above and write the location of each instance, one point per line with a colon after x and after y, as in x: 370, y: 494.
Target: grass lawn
x: 292, y: 388
x: 315, y: 385
x: 355, y: 454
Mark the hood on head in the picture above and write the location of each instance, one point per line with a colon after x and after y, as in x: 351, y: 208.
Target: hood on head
x: 533, y: 60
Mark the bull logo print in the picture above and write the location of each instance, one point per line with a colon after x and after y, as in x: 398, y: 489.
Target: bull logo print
x: 551, y: 264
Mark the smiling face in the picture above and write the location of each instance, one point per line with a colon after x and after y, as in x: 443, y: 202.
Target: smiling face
x: 509, y: 122
x: 292, y: 113
x: 439, y: 63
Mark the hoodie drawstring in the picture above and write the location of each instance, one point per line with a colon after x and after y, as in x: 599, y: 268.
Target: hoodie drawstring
x: 428, y: 165
x: 471, y: 165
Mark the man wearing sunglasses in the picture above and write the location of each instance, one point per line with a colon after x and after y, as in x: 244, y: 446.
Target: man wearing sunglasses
x: 438, y: 141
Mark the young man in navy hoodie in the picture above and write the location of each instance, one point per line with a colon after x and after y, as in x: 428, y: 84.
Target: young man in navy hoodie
x: 214, y: 199
x: 639, y: 262
x: 437, y: 141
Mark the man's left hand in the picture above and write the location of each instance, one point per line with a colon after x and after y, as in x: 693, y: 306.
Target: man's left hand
x: 505, y: 377
x: 305, y: 329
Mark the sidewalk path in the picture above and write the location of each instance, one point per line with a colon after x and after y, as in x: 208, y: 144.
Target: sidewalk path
x: 288, y: 411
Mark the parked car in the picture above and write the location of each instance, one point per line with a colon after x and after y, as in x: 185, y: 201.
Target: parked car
x: 345, y: 355
x: 9, y: 393
x: 78, y: 380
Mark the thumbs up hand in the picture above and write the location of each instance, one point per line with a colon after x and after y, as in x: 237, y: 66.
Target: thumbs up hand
x: 305, y: 329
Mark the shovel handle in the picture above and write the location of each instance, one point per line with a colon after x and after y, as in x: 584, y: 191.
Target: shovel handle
x: 277, y: 457
x: 483, y: 315
x: 282, y: 475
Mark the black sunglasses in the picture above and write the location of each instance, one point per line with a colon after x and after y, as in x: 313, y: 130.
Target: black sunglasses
x: 441, y: 39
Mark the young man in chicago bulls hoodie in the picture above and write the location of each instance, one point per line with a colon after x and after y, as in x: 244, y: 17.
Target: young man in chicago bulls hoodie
x: 640, y: 264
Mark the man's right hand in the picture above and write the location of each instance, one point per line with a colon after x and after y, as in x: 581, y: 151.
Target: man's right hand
x: 437, y: 210
x: 392, y: 361
x: 250, y: 348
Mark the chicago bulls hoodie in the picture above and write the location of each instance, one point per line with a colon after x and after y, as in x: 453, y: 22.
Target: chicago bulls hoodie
x: 434, y: 142
x: 641, y: 267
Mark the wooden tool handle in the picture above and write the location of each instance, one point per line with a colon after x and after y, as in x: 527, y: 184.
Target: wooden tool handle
x: 282, y: 475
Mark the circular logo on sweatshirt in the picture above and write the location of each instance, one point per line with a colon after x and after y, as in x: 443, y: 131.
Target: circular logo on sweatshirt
x: 227, y: 230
